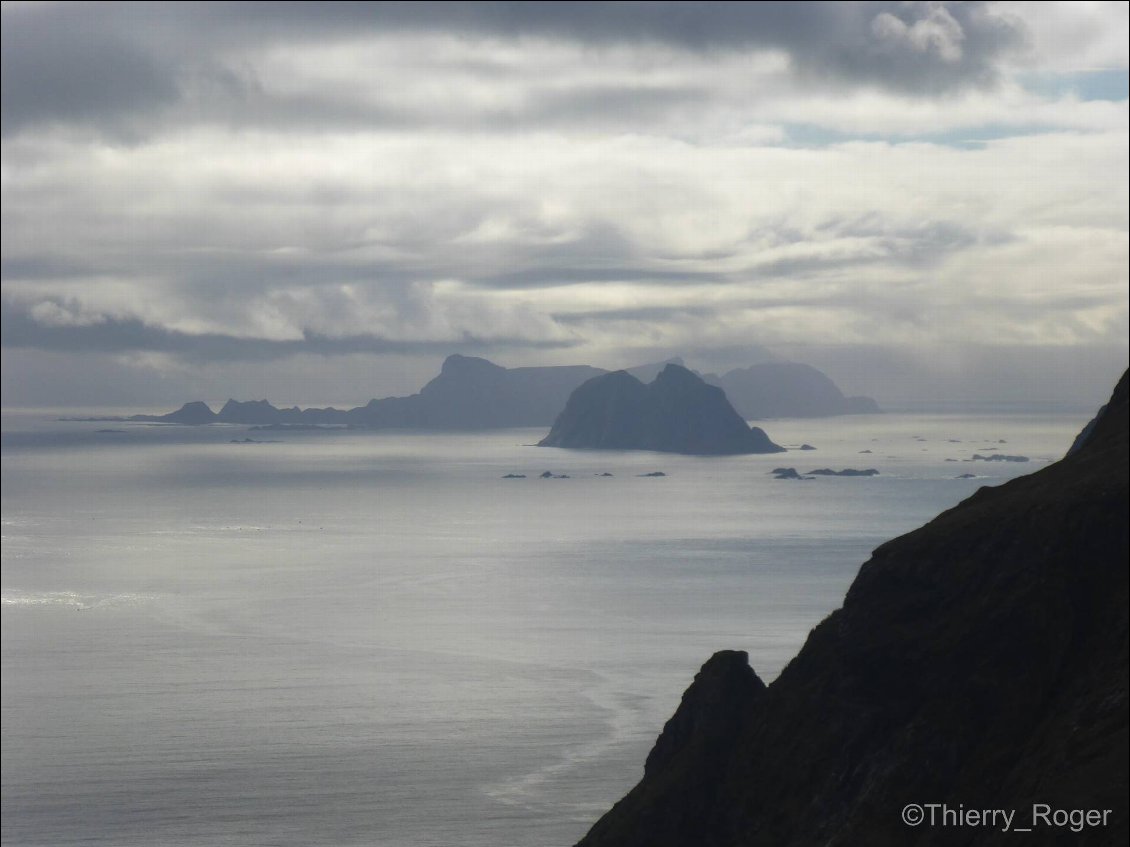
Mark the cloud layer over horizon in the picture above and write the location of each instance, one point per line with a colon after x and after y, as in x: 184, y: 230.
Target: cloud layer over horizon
x: 192, y: 188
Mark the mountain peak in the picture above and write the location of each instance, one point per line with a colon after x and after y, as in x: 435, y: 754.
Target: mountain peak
x: 249, y: 412
x: 457, y: 363
x: 194, y: 412
x: 676, y: 413
x: 676, y: 373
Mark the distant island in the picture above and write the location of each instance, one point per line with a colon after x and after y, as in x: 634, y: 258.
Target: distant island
x: 979, y: 662
x: 471, y: 393
x: 676, y: 413
x: 787, y: 390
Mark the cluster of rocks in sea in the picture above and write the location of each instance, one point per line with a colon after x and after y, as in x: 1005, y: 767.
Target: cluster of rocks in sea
x: 791, y: 473
x: 552, y: 475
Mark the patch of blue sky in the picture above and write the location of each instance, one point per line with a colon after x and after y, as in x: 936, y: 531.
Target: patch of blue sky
x: 811, y: 135
x: 1111, y: 85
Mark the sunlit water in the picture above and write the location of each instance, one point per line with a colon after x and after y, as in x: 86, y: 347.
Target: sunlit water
x: 373, y: 639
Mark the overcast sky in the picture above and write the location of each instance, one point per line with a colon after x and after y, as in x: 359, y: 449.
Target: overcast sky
x: 317, y: 202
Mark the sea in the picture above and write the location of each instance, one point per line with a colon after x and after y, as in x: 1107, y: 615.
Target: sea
x: 225, y: 636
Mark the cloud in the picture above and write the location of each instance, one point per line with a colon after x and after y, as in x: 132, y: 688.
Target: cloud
x: 823, y: 38
x: 936, y: 33
x: 131, y: 72
x: 225, y: 182
x: 67, y: 327
x: 432, y: 237
x: 121, y: 67
x: 1068, y: 36
x: 53, y: 70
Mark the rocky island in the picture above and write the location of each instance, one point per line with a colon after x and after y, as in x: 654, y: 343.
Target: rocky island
x: 472, y: 393
x: 978, y: 662
x: 676, y: 413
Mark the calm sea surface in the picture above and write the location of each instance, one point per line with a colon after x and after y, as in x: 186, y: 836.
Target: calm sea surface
x: 373, y: 639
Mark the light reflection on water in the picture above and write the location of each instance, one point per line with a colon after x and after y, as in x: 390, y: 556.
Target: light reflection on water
x: 358, y: 638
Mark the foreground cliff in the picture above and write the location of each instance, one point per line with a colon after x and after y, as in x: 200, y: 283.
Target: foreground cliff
x: 676, y: 413
x: 978, y: 663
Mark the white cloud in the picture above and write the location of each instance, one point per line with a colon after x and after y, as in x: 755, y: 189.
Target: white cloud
x: 936, y: 33
x: 1074, y: 35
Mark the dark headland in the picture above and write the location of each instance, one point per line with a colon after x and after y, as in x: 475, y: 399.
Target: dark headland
x: 676, y: 413
x: 979, y: 662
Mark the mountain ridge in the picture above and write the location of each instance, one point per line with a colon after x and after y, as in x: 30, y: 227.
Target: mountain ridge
x: 472, y: 393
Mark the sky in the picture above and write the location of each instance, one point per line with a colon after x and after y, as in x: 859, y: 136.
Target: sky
x: 317, y: 202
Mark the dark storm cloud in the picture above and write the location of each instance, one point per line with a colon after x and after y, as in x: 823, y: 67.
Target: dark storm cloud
x: 65, y: 72
x: 31, y: 267
x: 20, y: 330
x: 822, y: 37
x: 109, y: 65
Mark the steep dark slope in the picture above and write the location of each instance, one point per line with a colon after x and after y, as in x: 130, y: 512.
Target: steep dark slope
x: 677, y: 413
x: 978, y: 662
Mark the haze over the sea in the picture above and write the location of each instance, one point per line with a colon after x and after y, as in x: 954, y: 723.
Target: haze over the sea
x: 317, y: 202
